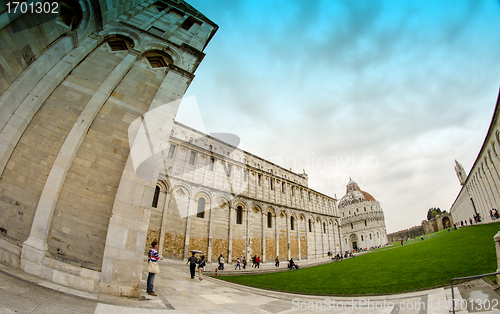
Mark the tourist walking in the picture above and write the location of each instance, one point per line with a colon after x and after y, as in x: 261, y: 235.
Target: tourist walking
x: 153, y: 268
x: 257, y: 262
x: 254, y: 261
x: 244, y: 262
x: 238, y: 263
x: 277, y: 261
x: 192, y: 260
x: 201, y: 267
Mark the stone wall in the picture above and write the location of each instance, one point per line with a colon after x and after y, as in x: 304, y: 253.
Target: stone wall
x: 70, y: 199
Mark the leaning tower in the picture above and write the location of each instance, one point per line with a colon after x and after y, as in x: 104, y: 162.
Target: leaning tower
x: 72, y: 208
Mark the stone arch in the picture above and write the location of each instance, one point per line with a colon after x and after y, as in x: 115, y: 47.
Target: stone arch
x: 221, y: 201
x: 164, y: 186
x: 184, y: 186
x: 239, y: 201
x: 256, y: 208
x: 82, y: 11
x: 203, y: 192
x: 270, y: 209
x: 127, y: 33
x: 446, y: 222
x: 302, y: 217
x: 282, y: 214
x: 171, y: 51
x: 493, y: 147
x: 354, y: 241
x: 198, y: 194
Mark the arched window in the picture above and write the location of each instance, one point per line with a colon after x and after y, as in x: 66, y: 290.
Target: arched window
x: 70, y: 14
x: 292, y: 223
x: 201, y: 208
x: 370, y: 236
x: 365, y: 223
x: 269, y: 220
x: 155, y: 197
x: 159, y: 6
x: 158, y: 58
x: 352, y: 226
x: 310, y: 225
x: 362, y: 238
x: 239, y: 215
x: 119, y: 43
x: 324, y: 228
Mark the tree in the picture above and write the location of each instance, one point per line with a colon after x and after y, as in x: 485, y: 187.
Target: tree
x: 433, y: 212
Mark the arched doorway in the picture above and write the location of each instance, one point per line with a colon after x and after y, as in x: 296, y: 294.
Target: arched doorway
x: 354, y: 241
x: 446, y: 222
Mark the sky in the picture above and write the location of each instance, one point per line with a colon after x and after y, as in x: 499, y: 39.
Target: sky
x: 388, y: 93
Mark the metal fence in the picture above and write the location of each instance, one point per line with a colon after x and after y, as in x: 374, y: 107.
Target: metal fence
x: 466, y: 278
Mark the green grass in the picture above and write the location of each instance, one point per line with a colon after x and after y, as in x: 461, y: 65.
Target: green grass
x: 423, y: 264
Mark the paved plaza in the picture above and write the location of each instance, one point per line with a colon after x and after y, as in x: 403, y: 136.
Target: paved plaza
x: 177, y: 293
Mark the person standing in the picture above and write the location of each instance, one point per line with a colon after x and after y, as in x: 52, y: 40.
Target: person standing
x: 277, y: 261
x: 244, y: 262
x: 221, y: 262
x: 254, y: 259
x: 201, y: 267
x: 257, y: 262
x: 152, y: 257
x: 192, y: 264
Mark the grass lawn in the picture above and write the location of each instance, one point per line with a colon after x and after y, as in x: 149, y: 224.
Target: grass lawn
x: 465, y: 252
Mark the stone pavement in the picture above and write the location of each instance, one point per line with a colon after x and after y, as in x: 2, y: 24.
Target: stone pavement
x: 177, y: 293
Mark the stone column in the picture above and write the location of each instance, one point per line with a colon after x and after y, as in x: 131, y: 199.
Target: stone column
x: 210, y: 231
x: 288, y: 235
x: 497, y: 246
x: 230, y: 236
x: 35, y: 247
x: 188, y: 228
x: 298, y: 237
x: 307, y: 238
x: 163, y: 225
x: 328, y: 236
x: 247, y: 245
x: 263, y: 235
x: 277, y: 236
x: 123, y: 260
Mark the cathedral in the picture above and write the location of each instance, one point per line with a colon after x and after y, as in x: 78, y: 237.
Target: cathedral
x: 93, y: 167
x: 216, y: 198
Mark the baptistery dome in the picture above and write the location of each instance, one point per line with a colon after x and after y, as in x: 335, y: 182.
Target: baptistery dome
x: 362, y: 220
x: 354, y: 195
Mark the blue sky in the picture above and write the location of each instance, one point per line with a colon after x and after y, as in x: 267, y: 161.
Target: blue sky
x: 389, y: 93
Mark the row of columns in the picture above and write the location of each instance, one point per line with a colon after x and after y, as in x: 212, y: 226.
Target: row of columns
x: 483, y: 188
x: 190, y: 212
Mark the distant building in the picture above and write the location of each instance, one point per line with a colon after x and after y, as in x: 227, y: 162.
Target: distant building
x: 362, y: 219
x: 239, y: 204
x: 440, y: 222
x: 480, y: 191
